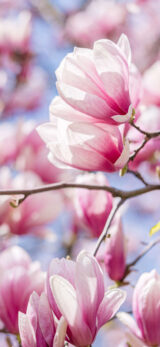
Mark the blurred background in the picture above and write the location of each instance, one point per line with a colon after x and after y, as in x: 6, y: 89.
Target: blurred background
x: 35, y: 35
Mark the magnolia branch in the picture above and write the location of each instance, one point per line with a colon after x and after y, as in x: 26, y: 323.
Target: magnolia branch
x: 146, y: 133
x: 140, y: 256
x: 138, y: 175
x: 132, y: 157
x: 63, y: 185
x: 107, y: 225
x: 148, y: 136
x: 144, y: 252
x: 48, y: 11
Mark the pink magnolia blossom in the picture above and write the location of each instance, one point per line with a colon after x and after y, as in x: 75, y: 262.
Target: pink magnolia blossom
x: 146, y: 310
x: 27, y: 95
x: 18, y: 278
x: 15, y: 32
x: 85, y: 145
x: 151, y: 85
x: 92, y: 207
x: 37, y: 326
x: 99, y: 20
x: 70, y: 284
x: 25, y: 150
x: 99, y: 82
x: 15, y: 136
x: 115, y: 255
x: 143, y: 15
x: 33, y: 156
x: 33, y: 215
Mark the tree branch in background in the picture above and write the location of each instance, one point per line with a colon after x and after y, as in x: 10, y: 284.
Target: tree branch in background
x: 138, y: 175
x: 107, y: 225
x: 148, y: 136
x: 48, y: 11
x: 146, y: 133
x: 140, y: 256
x: 132, y: 157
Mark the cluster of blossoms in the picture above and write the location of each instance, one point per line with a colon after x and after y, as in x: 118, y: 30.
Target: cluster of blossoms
x: 50, y: 308
x: 49, y: 316
x: 98, y: 91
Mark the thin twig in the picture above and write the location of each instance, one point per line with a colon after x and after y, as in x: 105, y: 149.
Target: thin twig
x: 8, y: 340
x: 148, y: 136
x: 146, y: 133
x: 141, y: 255
x: 144, y: 252
x: 107, y: 225
x: 132, y: 157
x: 48, y: 11
x: 138, y: 175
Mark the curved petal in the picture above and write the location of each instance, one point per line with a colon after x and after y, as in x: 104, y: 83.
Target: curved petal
x: 66, y: 299
x: 124, y: 45
x: 26, y: 330
x: 81, y: 158
x: 89, y: 285
x: 73, y: 74
x: 113, y: 70
x: 128, y: 320
x: 46, y: 321
x: 65, y: 296
x: 62, y: 267
x: 124, y: 118
x: 60, y: 333
x: 60, y: 109
x: 89, y: 104
x: 122, y: 160
x: 111, y: 303
x: 47, y: 132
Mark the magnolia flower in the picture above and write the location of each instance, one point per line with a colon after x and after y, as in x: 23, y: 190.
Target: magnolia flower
x: 34, y: 214
x: 99, y: 20
x: 28, y: 94
x: 92, y: 207
x: 78, y: 295
x: 15, y: 135
x: 99, y: 82
x: 15, y: 32
x: 33, y: 156
x: 146, y: 310
x: 143, y: 15
x: 26, y: 150
x: 85, y: 145
x: 18, y: 278
x: 115, y: 255
x: 37, y: 327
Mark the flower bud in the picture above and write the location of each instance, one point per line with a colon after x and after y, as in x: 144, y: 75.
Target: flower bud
x: 115, y: 255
